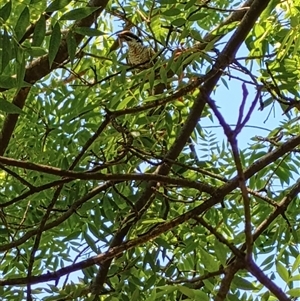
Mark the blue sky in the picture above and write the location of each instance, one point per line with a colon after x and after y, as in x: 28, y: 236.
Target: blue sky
x: 229, y: 100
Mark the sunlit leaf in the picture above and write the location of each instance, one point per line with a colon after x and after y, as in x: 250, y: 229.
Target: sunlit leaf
x: 282, y: 271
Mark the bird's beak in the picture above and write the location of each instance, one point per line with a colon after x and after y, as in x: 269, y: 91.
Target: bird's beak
x: 117, y: 43
x: 120, y: 40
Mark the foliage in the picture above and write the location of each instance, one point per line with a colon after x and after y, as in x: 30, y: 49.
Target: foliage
x: 103, y: 177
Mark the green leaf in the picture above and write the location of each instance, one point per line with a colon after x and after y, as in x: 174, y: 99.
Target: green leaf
x: 179, y: 22
x: 54, y: 43
x: 162, y: 290
x: 35, y: 51
x: 8, y: 107
x: 282, y: 271
x: 221, y: 251
x: 123, y: 104
x: 270, y: 7
x: 186, y: 291
x: 200, y: 295
x: 90, y: 241
x: 163, y: 74
x: 72, y: 236
x: 20, y: 67
x: 172, y: 12
x: 8, y: 82
x: 78, y: 13
x: 90, y: 32
x: 226, y: 28
x: 162, y: 242
x: 7, y: 49
x: 294, y: 292
x: 295, y: 278
x: 269, y: 259
x: 167, y: 2
x: 57, y: 5
x: 152, y: 221
x: 3, y: 232
x: 244, y: 284
x: 150, y: 282
x: 151, y: 79
x: 197, y: 17
x: 72, y: 45
x: 19, y: 265
x: 94, y: 230
x: 22, y: 23
x: 39, y: 31
x: 5, y: 11
x: 190, y: 4
x: 296, y: 264
x: 149, y: 259
x: 208, y: 260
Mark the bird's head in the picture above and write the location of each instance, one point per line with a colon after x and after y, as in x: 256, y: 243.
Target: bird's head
x: 128, y: 37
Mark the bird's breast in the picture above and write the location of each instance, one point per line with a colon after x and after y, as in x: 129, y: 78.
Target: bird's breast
x: 138, y: 54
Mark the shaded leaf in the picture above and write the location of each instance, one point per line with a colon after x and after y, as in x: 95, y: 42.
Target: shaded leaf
x: 57, y: 5
x: 8, y: 107
x: 39, y: 31
x: 172, y: 12
x: 244, y: 284
x: 78, y: 13
x: 54, y: 43
x: 72, y: 45
x: 7, y: 49
x: 8, y: 82
x: 179, y: 22
x: 36, y: 51
x: 90, y: 32
x: 197, y: 17
x: 5, y: 11
x: 22, y: 23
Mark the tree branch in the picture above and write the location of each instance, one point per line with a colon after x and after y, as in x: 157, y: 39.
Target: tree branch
x: 226, y: 281
x: 266, y: 281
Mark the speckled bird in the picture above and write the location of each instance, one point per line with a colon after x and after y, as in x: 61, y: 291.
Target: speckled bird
x: 138, y: 54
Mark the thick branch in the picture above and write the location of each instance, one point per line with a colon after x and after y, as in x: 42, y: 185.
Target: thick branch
x: 266, y: 281
x: 226, y: 281
x: 107, y: 177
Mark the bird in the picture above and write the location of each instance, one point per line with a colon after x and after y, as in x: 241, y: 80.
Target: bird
x: 138, y: 55
x: 141, y: 57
